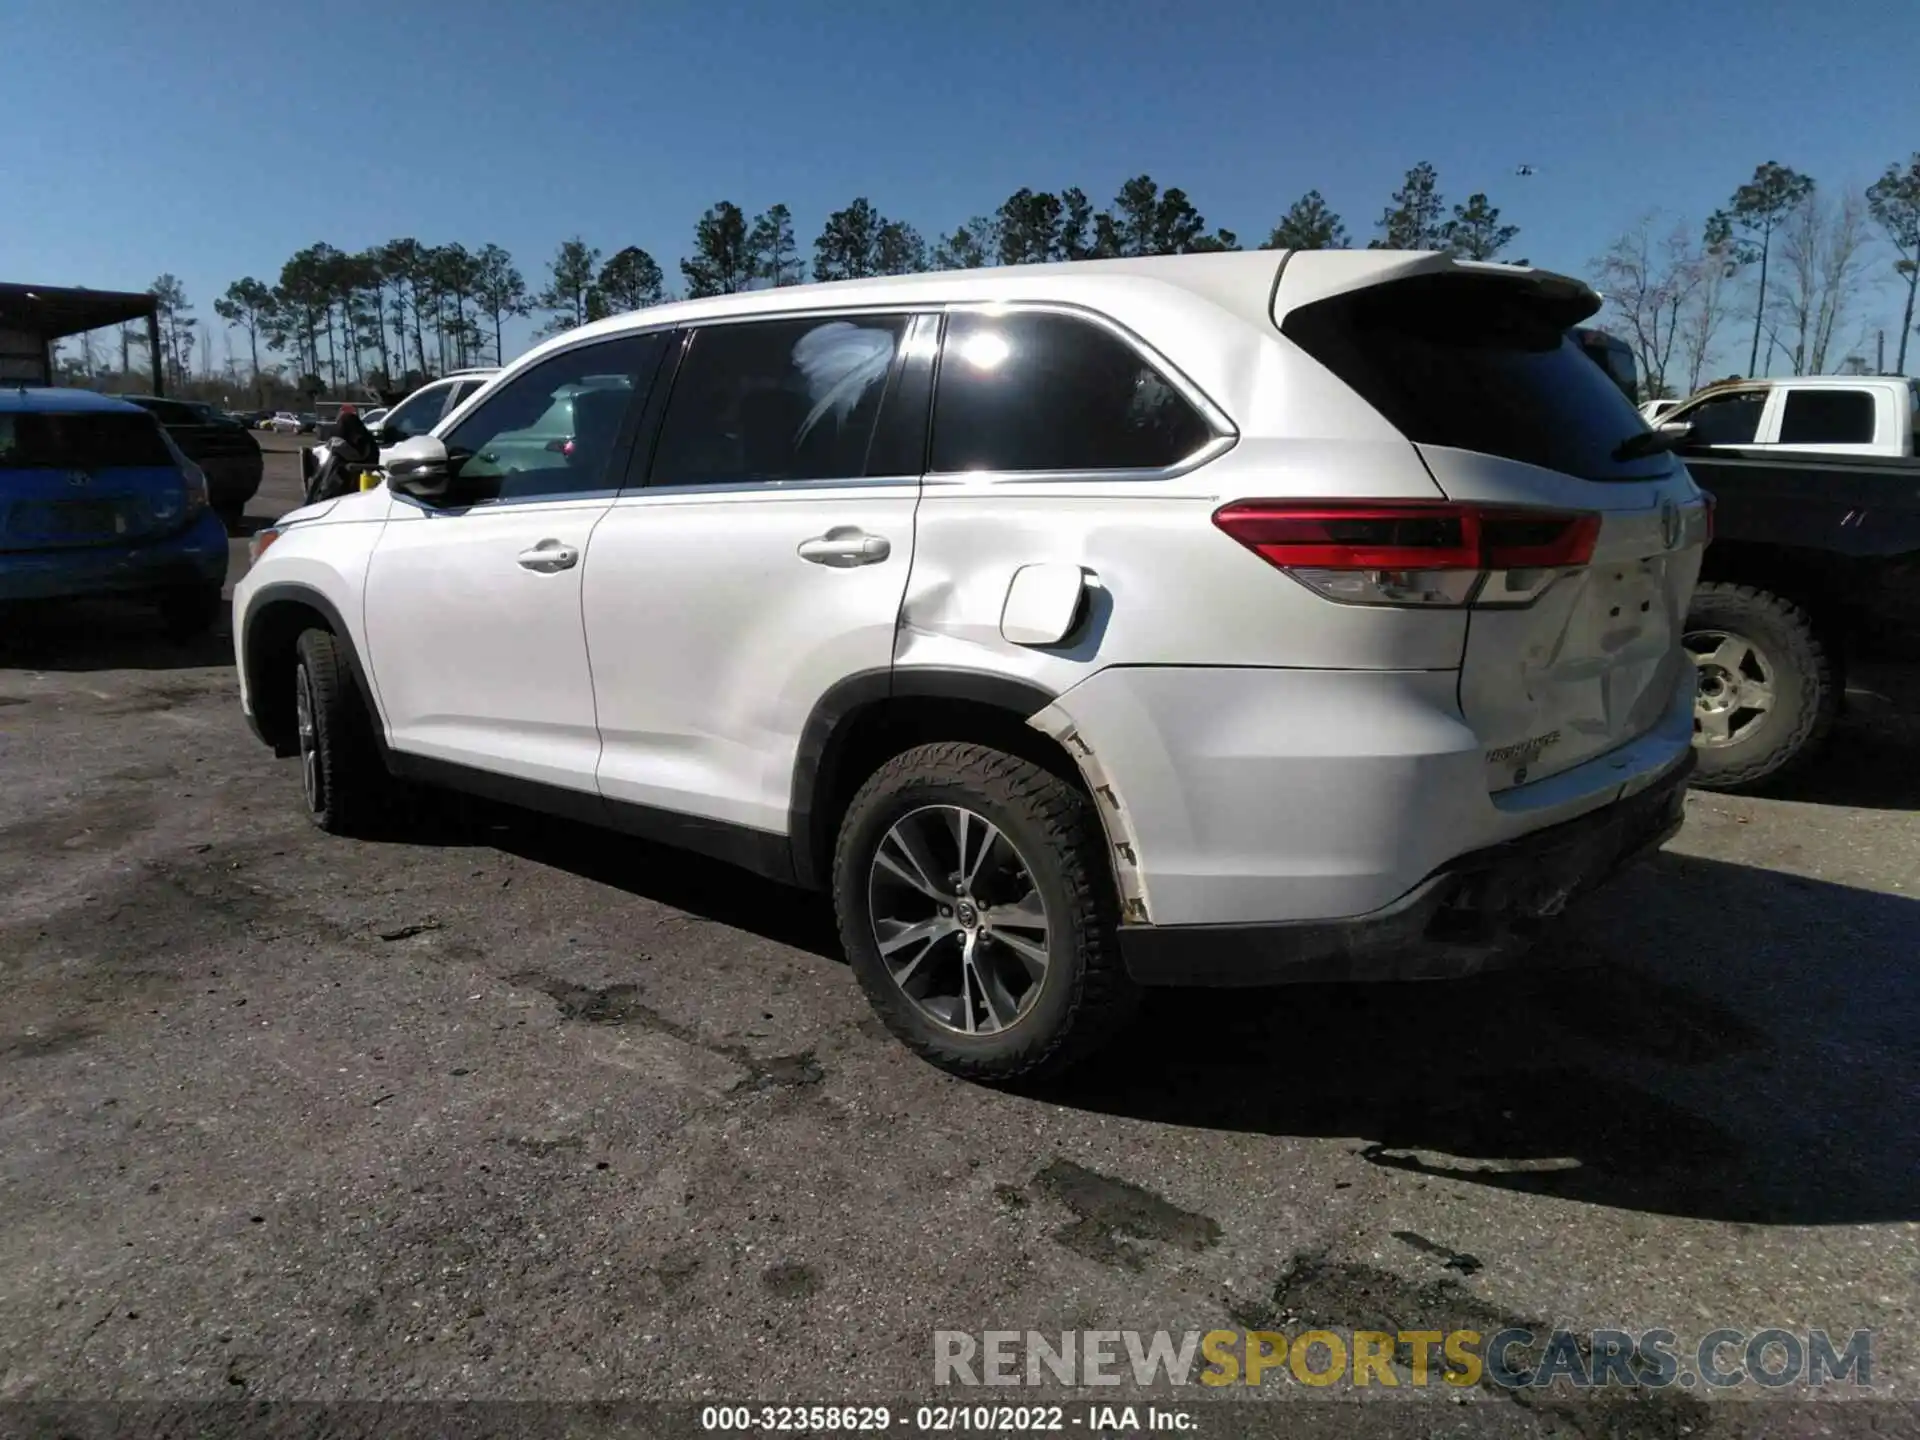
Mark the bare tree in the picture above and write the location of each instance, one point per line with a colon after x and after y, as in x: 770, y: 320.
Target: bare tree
x: 1716, y: 267
x: 1649, y: 284
x: 1823, y: 254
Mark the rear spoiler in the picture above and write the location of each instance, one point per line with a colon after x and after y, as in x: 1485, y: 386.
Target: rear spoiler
x: 1307, y: 276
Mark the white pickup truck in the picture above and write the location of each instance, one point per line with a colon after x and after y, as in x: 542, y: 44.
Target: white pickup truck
x: 1822, y: 414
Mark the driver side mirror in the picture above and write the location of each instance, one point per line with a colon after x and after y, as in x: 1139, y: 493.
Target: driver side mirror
x: 1692, y: 440
x: 419, y: 468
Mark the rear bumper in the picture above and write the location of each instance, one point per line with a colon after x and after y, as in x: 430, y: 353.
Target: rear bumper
x: 194, y: 556
x: 1479, y: 911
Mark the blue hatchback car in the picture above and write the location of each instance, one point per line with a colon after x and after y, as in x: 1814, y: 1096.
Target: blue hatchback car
x: 96, y: 499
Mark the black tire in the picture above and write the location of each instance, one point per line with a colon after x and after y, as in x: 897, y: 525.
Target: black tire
x: 190, y: 612
x: 344, y: 784
x: 1805, y: 684
x: 1084, y: 995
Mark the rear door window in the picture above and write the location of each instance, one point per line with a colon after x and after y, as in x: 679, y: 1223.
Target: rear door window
x: 777, y: 400
x: 1827, y: 417
x: 1039, y: 391
x: 1477, y: 364
x: 100, y: 440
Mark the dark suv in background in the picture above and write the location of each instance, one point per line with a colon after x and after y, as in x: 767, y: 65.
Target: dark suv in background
x: 221, y: 446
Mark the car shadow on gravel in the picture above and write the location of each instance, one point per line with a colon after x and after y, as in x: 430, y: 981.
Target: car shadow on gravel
x: 1870, y: 763
x: 1708, y: 1040
x: 87, y: 635
x: 706, y: 888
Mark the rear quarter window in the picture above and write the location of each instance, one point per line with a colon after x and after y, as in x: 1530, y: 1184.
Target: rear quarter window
x: 1477, y: 364
x: 1827, y: 417
x: 1039, y: 391
x: 101, y: 440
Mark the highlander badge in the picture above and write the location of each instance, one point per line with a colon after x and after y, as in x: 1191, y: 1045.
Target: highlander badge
x: 1526, y: 751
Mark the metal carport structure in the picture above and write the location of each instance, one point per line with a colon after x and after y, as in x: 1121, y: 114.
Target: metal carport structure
x: 33, y: 317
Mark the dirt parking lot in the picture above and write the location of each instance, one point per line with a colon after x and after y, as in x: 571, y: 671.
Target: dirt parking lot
x: 515, y: 1110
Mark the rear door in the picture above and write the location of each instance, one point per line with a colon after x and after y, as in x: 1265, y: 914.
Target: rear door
x: 1560, y: 665
x: 86, y: 477
x: 762, y: 561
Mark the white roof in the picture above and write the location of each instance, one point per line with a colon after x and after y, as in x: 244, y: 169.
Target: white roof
x: 1818, y: 381
x: 1241, y: 282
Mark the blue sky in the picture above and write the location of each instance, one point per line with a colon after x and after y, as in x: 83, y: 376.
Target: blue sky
x: 146, y: 138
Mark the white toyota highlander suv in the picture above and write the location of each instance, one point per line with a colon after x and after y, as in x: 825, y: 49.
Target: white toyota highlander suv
x: 1214, y: 620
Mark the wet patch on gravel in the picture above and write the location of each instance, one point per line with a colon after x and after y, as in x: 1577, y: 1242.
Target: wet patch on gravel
x: 1316, y: 1292
x: 1110, y: 1215
x: 605, y: 1005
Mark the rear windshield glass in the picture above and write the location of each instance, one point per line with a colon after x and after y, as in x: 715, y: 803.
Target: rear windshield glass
x: 81, y: 441
x: 1477, y: 364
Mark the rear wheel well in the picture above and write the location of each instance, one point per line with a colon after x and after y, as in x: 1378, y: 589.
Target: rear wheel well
x: 866, y: 738
x: 272, y: 635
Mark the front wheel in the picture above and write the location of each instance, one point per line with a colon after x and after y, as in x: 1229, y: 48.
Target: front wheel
x: 976, y: 907
x: 342, y: 779
x: 1767, y: 692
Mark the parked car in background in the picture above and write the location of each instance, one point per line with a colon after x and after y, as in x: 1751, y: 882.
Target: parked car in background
x: 309, y: 422
x: 96, y: 498
x: 222, y: 447
x: 284, y: 422
x: 1654, y: 410
x: 423, y: 409
x: 1209, y: 620
x: 1811, y: 589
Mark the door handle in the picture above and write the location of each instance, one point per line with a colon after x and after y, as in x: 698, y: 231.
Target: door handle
x: 549, y: 557
x: 845, y: 546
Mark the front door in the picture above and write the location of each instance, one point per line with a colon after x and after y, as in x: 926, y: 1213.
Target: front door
x: 763, y: 560
x: 473, y: 604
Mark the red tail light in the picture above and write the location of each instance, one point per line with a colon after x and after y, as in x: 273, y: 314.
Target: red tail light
x: 1412, y: 552
x: 560, y: 447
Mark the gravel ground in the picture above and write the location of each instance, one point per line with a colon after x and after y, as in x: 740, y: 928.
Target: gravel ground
x: 516, y: 1110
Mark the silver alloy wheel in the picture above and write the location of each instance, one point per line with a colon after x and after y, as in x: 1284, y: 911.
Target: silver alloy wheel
x: 1734, y: 694
x: 309, y: 739
x: 959, y: 921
